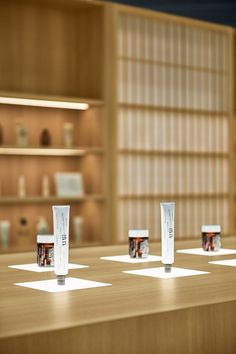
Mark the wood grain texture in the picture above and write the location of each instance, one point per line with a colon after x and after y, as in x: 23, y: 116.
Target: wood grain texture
x: 189, y: 315
x: 89, y: 130
x: 48, y: 48
x: 177, y: 89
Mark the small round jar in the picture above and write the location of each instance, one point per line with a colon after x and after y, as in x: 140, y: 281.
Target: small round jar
x: 45, y: 250
x: 211, y: 237
x: 138, y: 243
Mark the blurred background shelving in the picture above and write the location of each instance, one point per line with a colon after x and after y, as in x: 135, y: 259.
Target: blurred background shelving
x: 48, y: 56
x: 159, y: 123
x: 173, y: 121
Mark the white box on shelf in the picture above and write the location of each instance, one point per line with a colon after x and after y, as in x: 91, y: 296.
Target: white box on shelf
x: 69, y: 184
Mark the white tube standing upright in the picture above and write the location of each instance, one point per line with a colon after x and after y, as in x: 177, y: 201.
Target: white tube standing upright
x: 61, y: 243
x: 167, y: 234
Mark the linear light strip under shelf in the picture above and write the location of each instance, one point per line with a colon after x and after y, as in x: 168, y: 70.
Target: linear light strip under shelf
x: 44, y: 103
x: 42, y: 151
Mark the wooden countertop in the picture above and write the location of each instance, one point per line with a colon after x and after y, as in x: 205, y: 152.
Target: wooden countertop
x: 25, y: 311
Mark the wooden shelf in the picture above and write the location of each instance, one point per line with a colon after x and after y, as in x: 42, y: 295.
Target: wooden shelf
x: 172, y: 65
x: 172, y: 109
x: 185, y: 153
x: 50, y: 151
x: 73, y: 67
x: 52, y: 199
x: 175, y: 196
x: 57, y: 79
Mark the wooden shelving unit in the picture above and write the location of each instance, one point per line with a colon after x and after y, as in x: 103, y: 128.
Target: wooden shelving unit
x: 53, y: 52
x: 171, y: 64
x: 175, y: 195
x: 173, y: 152
x: 173, y: 121
x: 172, y: 109
x: 51, y: 199
x: 159, y: 122
x: 34, y: 162
x: 233, y: 136
x: 53, y: 151
x: 49, y: 49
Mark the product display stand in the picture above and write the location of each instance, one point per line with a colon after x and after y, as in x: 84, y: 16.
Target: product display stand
x: 128, y: 259
x: 160, y: 272
x: 201, y: 252
x: 226, y: 262
x: 96, y: 317
x: 70, y: 284
x: 33, y: 267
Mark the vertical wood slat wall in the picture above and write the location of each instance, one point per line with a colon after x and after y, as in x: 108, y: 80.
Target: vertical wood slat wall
x: 173, y: 120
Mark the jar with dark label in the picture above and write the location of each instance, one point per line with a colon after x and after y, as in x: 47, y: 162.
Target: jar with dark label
x: 211, y: 237
x: 138, y: 243
x: 45, y: 250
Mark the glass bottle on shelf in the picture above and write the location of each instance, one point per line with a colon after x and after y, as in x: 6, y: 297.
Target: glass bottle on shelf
x: 21, y: 187
x: 45, y: 138
x: 78, y: 228
x: 1, y: 134
x: 68, y: 128
x: 42, y: 226
x: 45, y: 186
x: 23, y: 233
x: 21, y: 135
x: 5, y: 233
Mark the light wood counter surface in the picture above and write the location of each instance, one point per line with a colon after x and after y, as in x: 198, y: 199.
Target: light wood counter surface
x: 137, y: 314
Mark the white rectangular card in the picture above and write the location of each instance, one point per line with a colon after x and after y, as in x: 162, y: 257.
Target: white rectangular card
x: 70, y: 284
x: 227, y: 262
x: 160, y: 272
x: 33, y: 267
x: 127, y: 259
x: 69, y: 184
x: 201, y: 252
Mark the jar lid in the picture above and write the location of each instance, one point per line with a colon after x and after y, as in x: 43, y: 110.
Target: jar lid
x: 45, y: 238
x: 211, y: 228
x: 138, y: 233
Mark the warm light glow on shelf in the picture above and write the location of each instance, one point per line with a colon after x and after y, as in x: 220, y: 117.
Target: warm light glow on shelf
x: 41, y: 151
x: 44, y: 103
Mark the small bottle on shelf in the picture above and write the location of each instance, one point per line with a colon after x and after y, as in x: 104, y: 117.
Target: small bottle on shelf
x: 21, y: 135
x: 5, y: 233
x: 1, y: 134
x: 68, y: 134
x: 42, y: 226
x: 45, y: 186
x: 23, y: 233
x: 21, y: 187
x: 45, y: 138
x: 78, y: 228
